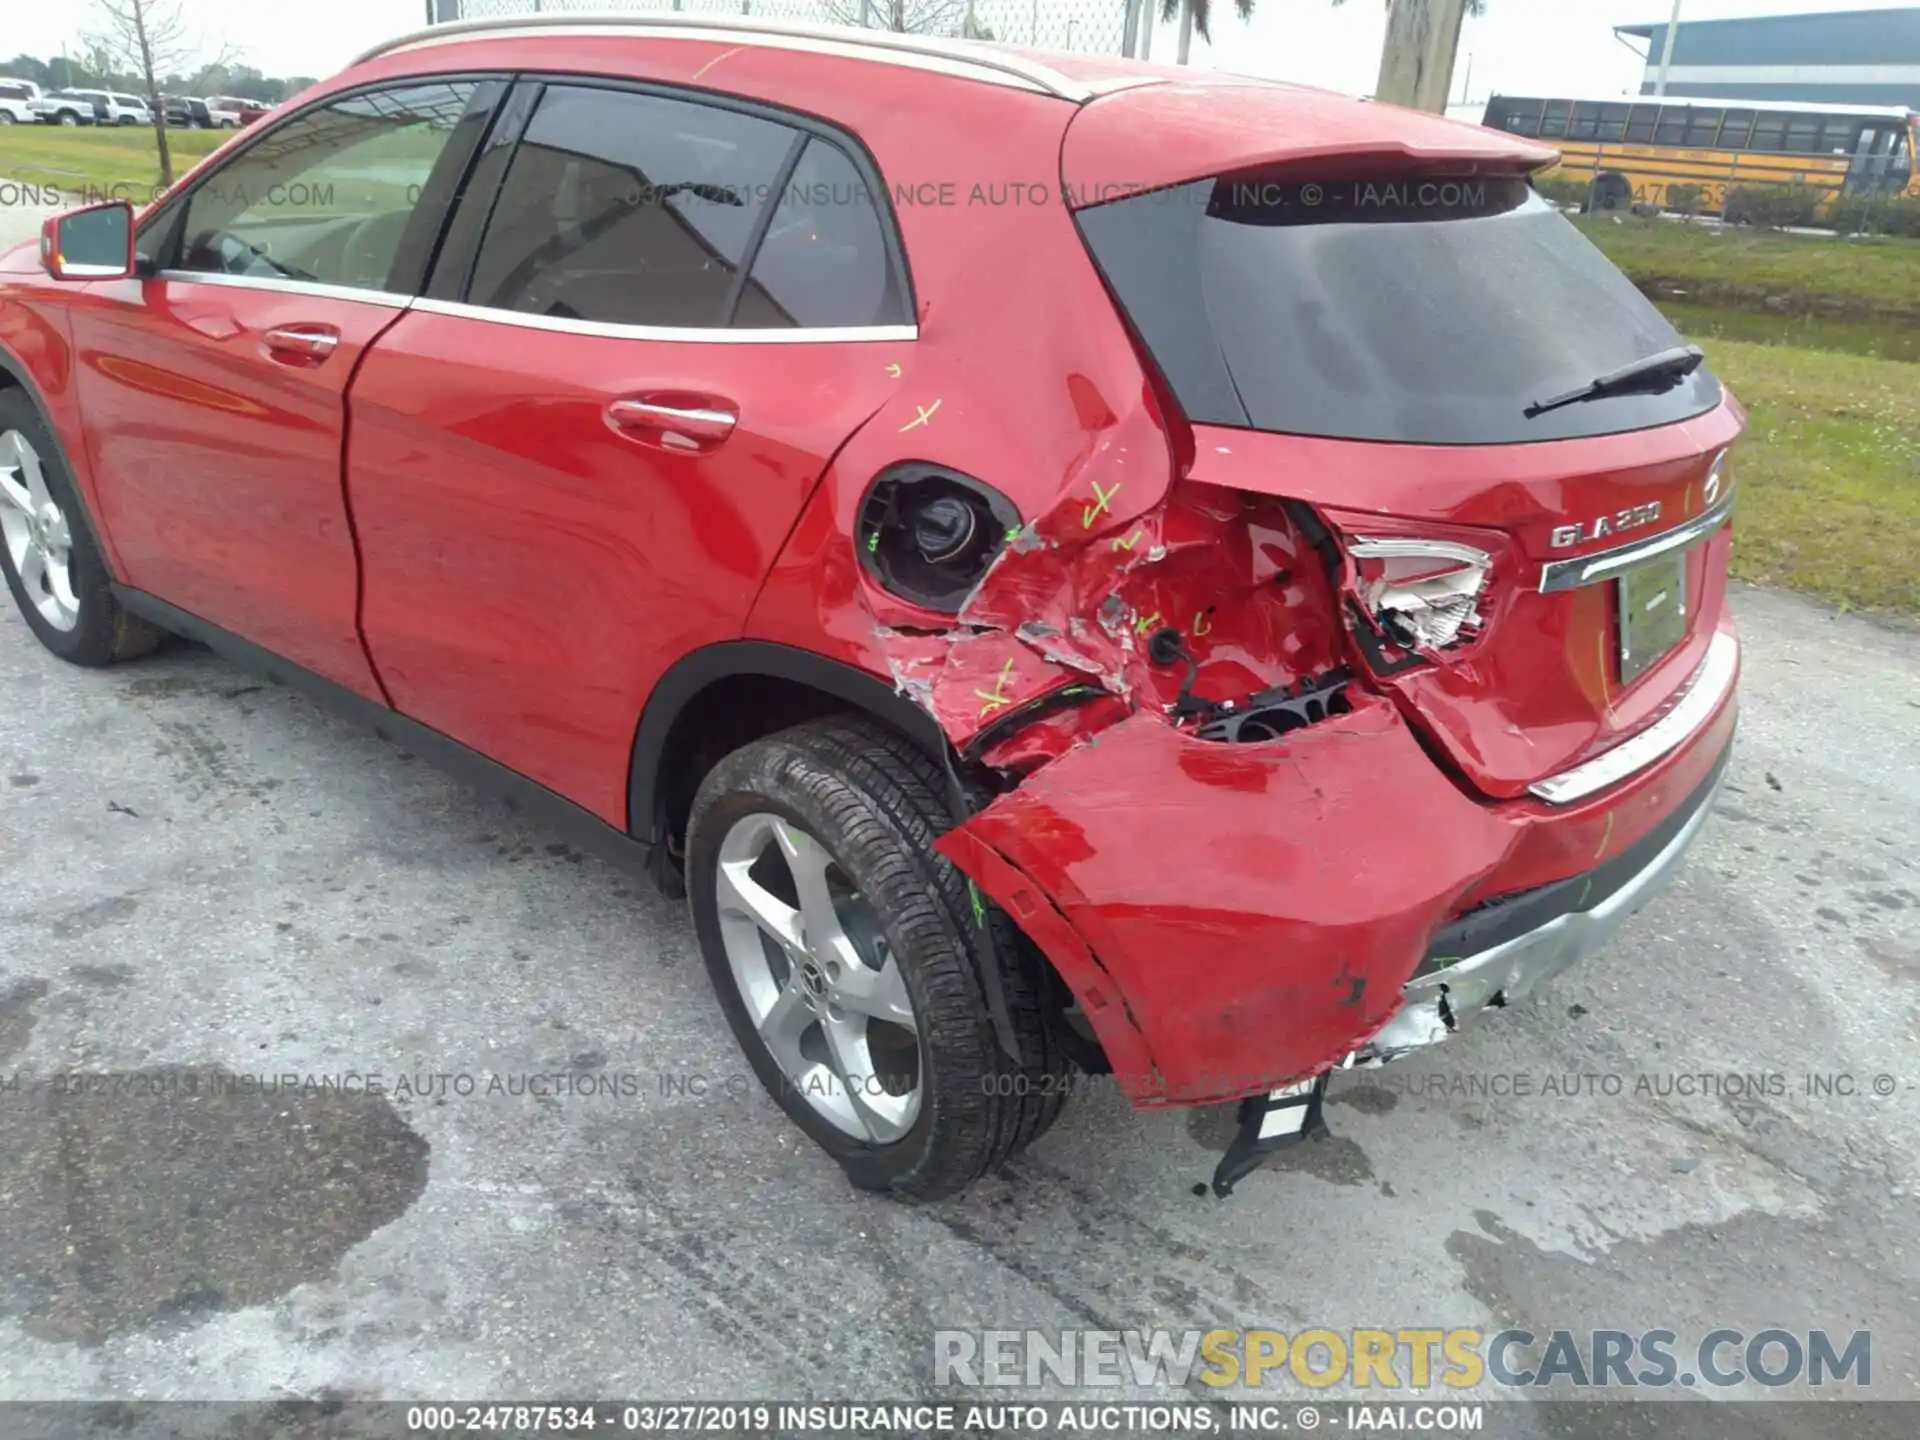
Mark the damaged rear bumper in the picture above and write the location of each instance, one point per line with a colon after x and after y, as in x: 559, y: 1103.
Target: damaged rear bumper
x: 1235, y: 919
x: 1494, y: 956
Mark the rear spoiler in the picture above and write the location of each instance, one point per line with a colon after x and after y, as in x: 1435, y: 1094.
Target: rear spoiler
x: 1155, y: 136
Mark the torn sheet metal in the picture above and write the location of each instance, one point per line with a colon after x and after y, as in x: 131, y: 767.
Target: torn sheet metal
x: 1077, y: 595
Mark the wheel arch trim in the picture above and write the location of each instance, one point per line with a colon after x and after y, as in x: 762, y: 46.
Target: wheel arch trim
x: 14, y: 370
x: 696, y: 671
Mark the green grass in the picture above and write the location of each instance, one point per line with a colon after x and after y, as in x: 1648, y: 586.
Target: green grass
x: 1820, y: 339
x: 1876, y: 338
x: 1737, y: 267
x: 1829, y: 473
x: 100, y: 162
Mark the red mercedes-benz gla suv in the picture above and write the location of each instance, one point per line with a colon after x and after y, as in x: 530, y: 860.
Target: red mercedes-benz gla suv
x: 1076, y: 567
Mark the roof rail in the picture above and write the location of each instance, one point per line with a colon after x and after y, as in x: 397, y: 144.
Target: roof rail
x: 995, y: 63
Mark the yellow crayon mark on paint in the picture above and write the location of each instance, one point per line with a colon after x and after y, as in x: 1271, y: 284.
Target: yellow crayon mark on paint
x: 1128, y: 543
x: 1093, y: 512
x: 894, y: 371
x: 997, y: 697
x: 1201, y: 625
x: 1146, y: 623
x: 922, y: 414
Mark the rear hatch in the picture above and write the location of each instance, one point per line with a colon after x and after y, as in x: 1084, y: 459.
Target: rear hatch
x: 1390, y: 330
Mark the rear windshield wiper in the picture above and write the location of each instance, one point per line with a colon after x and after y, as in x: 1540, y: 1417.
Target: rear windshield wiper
x: 1649, y: 375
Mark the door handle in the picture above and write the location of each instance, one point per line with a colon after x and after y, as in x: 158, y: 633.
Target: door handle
x: 300, y: 344
x: 675, y: 421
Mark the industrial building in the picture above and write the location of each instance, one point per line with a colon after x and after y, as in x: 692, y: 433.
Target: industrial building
x: 1845, y: 57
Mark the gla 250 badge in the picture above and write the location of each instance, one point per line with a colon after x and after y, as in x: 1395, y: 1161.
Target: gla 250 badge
x: 1603, y: 525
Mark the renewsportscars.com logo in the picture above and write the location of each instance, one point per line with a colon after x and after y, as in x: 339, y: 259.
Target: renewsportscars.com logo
x: 1408, y: 1359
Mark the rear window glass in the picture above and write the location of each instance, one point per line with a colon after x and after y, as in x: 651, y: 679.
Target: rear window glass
x: 1424, y: 310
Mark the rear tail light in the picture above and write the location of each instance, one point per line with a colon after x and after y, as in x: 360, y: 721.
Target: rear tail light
x: 1421, y: 594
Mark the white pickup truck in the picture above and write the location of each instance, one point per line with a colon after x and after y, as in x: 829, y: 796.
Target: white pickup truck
x: 90, y: 107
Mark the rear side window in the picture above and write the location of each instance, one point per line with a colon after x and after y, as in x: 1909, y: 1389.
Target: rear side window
x: 824, y: 261
x: 629, y: 209
x: 1419, y: 310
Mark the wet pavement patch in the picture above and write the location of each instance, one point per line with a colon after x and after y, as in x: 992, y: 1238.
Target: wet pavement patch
x: 1327, y: 1156
x: 151, y: 1198
x: 17, y: 1015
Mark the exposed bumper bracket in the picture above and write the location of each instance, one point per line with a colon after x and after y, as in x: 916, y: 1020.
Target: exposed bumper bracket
x: 1441, y: 997
x: 1270, y: 1122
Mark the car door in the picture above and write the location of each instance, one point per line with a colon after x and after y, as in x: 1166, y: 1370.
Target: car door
x: 212, y: 388
x: 653, y: 322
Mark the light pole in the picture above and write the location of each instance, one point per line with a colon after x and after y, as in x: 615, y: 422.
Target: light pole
x: 1666, y: 51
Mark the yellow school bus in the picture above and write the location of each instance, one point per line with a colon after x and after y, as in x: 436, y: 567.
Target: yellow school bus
x: 1633, y: 149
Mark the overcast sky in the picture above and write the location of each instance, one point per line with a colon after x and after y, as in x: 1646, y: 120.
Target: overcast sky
x: 1537, y: 46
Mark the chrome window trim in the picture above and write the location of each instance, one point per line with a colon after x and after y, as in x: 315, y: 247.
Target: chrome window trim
x: 1705, y: 689
x: 1591, y: 569
x: 699, y: 335
x: 383, y: 298
x: 962, y: 59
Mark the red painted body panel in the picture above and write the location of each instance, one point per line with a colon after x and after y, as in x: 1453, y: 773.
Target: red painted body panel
x: 530, y: 571
x: 217, y: 468
x: 38, y: 337
x: 1535, y: 693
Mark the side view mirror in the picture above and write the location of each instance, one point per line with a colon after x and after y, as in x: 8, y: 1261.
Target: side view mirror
x: 93, y: 243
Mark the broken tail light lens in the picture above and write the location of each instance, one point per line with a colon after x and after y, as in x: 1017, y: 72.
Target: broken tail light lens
x: 1421, y: 593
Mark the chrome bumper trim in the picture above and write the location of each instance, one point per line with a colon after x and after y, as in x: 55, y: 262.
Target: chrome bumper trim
x: 1591, y: 569
x: 1708, y: 686
x: 1433, y: 1005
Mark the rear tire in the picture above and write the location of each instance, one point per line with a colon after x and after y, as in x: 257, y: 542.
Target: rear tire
x: 56, y: 575
x: 870, y: 800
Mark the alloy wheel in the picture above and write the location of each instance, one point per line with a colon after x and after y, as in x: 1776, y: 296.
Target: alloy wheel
x: 819, y: 981
x: 35, y: 530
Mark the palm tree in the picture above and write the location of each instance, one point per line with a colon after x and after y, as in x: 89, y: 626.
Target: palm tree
x: 1198, y: 15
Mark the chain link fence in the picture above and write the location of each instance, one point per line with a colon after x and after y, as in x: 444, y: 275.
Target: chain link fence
x: 1090, y: 27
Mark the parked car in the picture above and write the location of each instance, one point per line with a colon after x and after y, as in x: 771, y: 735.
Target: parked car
x: 16, y: 100
x: 69, y: 107
x: 220, y: 115
x: 91, y: 107
x: 243, y: 111
x: 186, y: 112
x: 1064, y: 575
